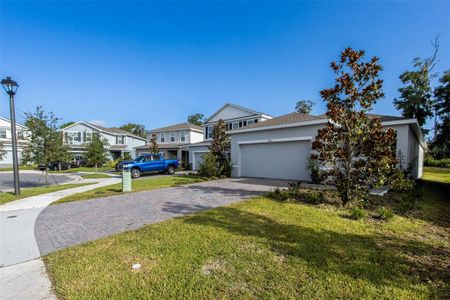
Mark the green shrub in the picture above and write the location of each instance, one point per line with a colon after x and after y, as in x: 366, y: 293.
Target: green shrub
x: 357, y: 212
x: 312, y: 197
x: 294, y: 188
x: 399, y: 181
x: 210, y: 167
x: 385, y: 213
x: 313, y: 167
x: 437, y: 163
x: 278, y: 194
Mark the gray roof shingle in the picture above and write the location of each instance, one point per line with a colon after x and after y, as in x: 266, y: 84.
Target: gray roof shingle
x: 181, y: 126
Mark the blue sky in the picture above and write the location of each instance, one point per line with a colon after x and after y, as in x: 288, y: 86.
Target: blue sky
x: 154, y: 63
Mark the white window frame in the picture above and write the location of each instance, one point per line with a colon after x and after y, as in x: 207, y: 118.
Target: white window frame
x: 235, y: 125
x: 72, y: 134
x: 209, y: 132
x: 183, y: 136
x: 162, y: 137
x: 250, y: 122
x: 174, y: 136
x: 1, y: 135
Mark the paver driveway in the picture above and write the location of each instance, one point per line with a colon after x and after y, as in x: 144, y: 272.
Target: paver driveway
x: 73, y: 223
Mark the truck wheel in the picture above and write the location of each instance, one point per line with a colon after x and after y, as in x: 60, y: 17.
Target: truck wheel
x: 170, y: 170
x: 135, y: 173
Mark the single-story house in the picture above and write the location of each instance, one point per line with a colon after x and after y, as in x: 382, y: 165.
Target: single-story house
x: 280, y: 147
x: 172, y: 140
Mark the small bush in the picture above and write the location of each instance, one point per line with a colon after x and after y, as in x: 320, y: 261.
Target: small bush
x: 357, y: 212
x: 210, y: 167
x: 385, y: 213
x: 399, y: 181
x: 294, y: 188
x: 312, y: 197
x: 437, y: 163
x: 313, y: 166
x: 278, y: 194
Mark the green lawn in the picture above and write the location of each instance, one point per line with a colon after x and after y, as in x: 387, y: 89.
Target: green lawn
x: 148, y: 183
x: 9, y: 196
x: 32, y: 167
x: 93, y: 176
x: 85, y: 169
x: 436, y: 174
x: 266, y: 249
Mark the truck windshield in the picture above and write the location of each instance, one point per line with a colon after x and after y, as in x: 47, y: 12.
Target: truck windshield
x: 139, y: 158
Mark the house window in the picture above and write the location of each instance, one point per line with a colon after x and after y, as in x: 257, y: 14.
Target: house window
x: 162, y: 137
x: 73, y: 136
x: 256, y: 120
x: 250, y: 122
x: 235, y: 125
x: 183, y: 136
x: 120, y: 140
x: 209, y: 132
x: 2, y: 134
x: 88, y: 137
x: 172, y: 137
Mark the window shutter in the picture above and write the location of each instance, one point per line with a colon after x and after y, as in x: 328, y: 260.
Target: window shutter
x: 79, y: 136
x: 66, y: 136
x: 84, y: 136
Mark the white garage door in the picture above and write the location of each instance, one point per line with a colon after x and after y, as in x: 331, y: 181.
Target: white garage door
x: 198, y: 158
x: 283, y: 160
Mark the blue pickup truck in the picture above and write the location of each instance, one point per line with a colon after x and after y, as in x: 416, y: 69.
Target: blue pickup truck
x: 149, y: 163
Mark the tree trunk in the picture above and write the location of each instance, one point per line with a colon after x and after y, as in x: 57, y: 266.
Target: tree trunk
x: 46, y: 176
x: 95, y: 168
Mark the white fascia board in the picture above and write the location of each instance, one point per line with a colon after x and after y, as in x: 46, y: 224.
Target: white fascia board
x: 306, y: 123
x: 282, y: 140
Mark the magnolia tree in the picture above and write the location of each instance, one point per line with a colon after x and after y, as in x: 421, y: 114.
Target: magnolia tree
x: 355, y: 149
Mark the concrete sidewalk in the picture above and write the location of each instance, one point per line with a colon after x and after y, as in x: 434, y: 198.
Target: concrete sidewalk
x: 22, y: 272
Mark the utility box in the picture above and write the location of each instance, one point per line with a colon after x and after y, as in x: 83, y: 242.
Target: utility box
x: 126, y: 181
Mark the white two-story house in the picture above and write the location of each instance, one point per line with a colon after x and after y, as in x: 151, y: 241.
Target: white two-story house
x: 172, y: 140
x: 120, y: 141
x: 6, y: 141
x: 234, y: 116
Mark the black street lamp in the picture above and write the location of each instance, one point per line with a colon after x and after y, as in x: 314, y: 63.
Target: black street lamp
x: 10, y: 87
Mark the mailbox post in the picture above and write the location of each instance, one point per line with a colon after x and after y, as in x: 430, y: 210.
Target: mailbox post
x: 126, y: 180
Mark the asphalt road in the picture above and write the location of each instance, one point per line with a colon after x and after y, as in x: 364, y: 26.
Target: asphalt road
x: 30, y: 180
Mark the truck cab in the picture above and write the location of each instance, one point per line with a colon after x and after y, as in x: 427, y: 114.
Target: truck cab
x: 151, y: 163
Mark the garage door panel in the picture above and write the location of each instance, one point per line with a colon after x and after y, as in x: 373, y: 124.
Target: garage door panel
x: 198, y: 158
x: 284, y: 160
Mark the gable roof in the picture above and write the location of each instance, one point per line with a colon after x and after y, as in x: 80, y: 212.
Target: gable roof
x: 181, y: 126
x: 9, y: 121
x: 110, y: 130
x: 250, y: 111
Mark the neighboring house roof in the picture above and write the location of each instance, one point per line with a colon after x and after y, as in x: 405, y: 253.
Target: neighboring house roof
x: 294, y: 117
x: 384, y: 118
x: 203, y: 143
x: 117, y: 147
x: 162, y: 146
x: 110, y: 130
x: 181, y: 126
x: 250, y: 111
x: 299, y: 119
x: 17, y: 123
